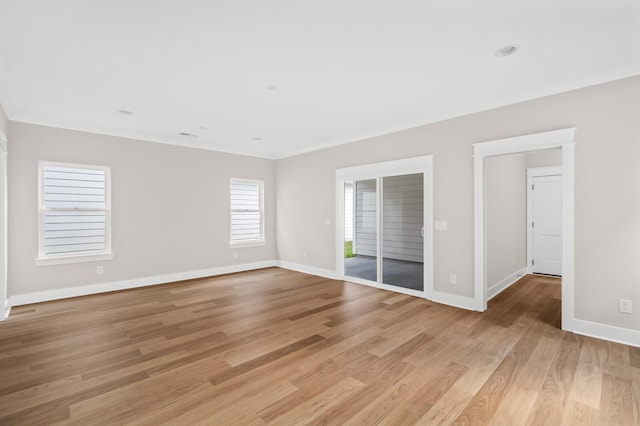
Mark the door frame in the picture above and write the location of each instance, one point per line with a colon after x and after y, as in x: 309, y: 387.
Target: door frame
x: 534, y: 172
x: 424, y: 165
x: 4, y: 299
x: 564, y: 139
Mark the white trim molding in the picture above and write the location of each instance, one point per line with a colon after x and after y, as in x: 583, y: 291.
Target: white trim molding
x: 65, y: 293
x: 607, y: 332
x: 454, y: 300
x: 311, y: 270
x: 4, y: 248
x: 524, y: 143
x: 499, y: 287
x: 564, y: 139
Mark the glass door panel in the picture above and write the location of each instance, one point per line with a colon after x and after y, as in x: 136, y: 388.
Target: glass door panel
x: 402, y: 231
x: 361, y: 229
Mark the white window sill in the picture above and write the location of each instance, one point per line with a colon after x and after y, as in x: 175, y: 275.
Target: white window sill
x: 235, y: 244
x: 60, y: 260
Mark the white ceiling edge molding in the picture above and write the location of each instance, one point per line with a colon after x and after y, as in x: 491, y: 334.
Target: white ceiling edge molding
x: 457, y: 113
x: 6, y: 102
x: 136, y: 136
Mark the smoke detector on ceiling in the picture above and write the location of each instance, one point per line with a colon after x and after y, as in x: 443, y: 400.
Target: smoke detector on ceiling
x: 507, y: 50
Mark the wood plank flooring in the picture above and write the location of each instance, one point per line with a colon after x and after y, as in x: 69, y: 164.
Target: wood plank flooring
x: 280, y: 347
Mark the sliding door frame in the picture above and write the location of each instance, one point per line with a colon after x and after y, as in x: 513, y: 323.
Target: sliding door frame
x: 424, y: 165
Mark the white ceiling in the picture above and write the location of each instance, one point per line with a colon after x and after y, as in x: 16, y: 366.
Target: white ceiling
x: 279, y: 77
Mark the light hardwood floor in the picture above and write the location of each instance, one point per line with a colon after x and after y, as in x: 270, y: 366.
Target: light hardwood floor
x: 280, y: 347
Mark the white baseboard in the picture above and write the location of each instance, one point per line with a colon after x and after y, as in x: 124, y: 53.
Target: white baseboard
x: 64, y: 293
x: 496, y: 289
x: 454, y: 300
x: 607, y: 332
x: 312, y: 270
x: 437, y: 296
x: 586, y: 328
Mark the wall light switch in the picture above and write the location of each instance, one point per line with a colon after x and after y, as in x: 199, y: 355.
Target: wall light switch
x: 441, y: 225
x: 626, y: 306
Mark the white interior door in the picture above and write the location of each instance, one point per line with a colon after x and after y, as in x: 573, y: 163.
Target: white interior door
x: 546, y: 198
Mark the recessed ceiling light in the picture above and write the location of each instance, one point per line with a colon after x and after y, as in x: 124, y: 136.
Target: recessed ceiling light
x: 271, y: 87
x: 202, y: 127
x: 506, y: 50
x: 190, y: 135
x: 257, y: 138
x: 125, y: 112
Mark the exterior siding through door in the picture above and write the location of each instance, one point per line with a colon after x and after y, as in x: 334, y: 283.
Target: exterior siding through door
x: 402, y: 218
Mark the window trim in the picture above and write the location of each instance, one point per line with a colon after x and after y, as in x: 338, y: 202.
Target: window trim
x: 248, y: 243
x: 56, y: 259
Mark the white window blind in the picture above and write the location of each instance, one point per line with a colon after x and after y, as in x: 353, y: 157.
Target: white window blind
x: 74, y: 210
x: 246, y: 211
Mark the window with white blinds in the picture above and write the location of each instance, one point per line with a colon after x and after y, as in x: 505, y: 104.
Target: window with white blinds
x: 247, y: 217
x: 74, y: 210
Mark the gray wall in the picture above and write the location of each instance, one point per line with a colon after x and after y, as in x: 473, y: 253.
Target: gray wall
x: 170, y: 207
x: 506, y: 216
x: 544, y: 158
x: 607, y: 201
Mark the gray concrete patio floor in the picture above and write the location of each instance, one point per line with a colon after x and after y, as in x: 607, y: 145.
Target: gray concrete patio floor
x: 399, y: 273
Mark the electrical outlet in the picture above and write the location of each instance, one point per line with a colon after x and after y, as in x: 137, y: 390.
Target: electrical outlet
x: 304, y: 254
x: 99, y: 270
x: 626, y: 307
x: 441, y: 225
x: 453, y: 279
x: 235, y: 254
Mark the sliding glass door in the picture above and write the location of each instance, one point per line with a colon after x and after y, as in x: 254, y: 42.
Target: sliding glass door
x: 402, y: 231
x: 382, y: 234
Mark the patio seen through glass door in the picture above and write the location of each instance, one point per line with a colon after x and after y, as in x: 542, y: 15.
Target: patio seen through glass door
x: 383, y: 230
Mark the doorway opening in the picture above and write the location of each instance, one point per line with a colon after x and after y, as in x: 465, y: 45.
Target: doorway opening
x: 384, y: 233
x: 563, y: 139
x: 517, y: 242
